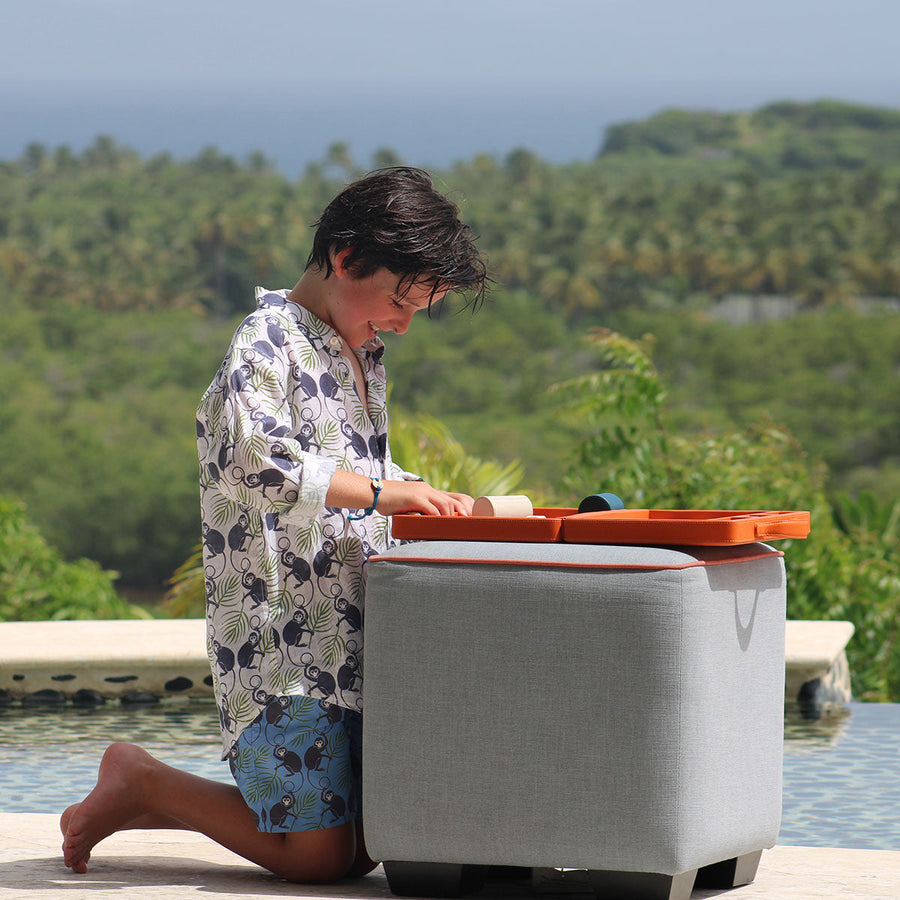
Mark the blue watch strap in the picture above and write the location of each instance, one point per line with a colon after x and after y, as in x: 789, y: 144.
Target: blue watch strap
x: 376, y: 486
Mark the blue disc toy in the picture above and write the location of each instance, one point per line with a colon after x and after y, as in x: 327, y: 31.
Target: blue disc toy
x: 600, y: 503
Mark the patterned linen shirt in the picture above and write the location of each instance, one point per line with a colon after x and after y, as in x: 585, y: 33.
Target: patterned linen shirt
x: 285, y: 575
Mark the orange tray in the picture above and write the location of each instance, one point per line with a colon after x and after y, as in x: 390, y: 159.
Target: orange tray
x: 545, y: 530
x: 705, y: 527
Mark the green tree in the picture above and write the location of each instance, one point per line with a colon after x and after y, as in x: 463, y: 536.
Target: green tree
x: 851, y: 573
x: 36, y: 583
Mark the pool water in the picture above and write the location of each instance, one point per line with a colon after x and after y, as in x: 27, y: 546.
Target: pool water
x: 49, y: 756
x: 841, y: 772
x: 842, y: 779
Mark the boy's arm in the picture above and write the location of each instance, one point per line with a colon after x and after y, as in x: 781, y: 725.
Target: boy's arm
x: 245, y: 418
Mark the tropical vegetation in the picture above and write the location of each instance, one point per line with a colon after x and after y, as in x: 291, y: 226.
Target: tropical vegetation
x: 747, y: 264
x: 36, y: 583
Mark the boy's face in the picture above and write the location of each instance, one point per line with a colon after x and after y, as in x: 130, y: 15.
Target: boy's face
x: 364, y: 306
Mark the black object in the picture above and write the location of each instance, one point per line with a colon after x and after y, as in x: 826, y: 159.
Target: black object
x: 600, y: 503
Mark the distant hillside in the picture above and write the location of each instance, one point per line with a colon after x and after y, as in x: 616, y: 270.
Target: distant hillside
x: 824, y: 134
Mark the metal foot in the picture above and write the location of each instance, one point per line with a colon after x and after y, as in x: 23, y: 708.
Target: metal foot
x: 643, y: 885
x: 561, y: 881
x: 730, y: 872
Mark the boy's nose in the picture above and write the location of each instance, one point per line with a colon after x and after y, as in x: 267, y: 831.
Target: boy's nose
x: 401, y: 324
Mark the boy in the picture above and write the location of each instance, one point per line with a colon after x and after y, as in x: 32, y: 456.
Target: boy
x: 296, y: 482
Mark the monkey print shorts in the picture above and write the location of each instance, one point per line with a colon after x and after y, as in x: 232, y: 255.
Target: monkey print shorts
x: 299, y: 765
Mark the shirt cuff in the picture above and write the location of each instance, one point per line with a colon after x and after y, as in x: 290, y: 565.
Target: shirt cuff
x: 311, y: 488
x: 399, y: 474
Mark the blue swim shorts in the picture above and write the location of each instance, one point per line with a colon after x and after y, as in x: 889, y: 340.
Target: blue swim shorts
x: 299, y: 765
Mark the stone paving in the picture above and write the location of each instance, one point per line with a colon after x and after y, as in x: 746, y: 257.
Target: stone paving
x: 180, y: 865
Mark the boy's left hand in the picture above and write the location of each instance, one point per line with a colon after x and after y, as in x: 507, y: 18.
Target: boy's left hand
x: 421, y: 497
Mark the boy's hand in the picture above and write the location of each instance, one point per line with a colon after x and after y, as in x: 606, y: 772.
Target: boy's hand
x: 421, y: 497
x: 349, y: 490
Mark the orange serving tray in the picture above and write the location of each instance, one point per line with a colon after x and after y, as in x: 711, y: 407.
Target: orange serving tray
x: 667, y: 527
x: 546, y: 530
x: 704, y: 527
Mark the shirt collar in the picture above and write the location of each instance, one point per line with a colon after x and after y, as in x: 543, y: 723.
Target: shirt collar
x: 331, y: 341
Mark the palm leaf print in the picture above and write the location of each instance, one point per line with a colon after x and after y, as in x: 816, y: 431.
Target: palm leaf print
x: 343, y: 775
x: 320, y: 615
x: 244, y: 494
x: 236, y: 623
x: 360, y: 417
x: 279, y: 603
x: 306, y: 804
x: 227, y: 591
x: 310, y: 537
x: 355, y: 584
x: 382, y: 531
x: 224, y: 510
x: 258, y: 448
x: 307, y: 356
x: 241, y: 706
x: 268, y: 566
x: 287, y: 680
x: 266, y: 381
x: 261, y: 786
x: 334, y: 649
x: 348, y: 552
x: 329, y: 435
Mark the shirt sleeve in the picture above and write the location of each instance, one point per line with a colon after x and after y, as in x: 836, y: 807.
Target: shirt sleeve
x: 248, y: 422
x: 398, y: 474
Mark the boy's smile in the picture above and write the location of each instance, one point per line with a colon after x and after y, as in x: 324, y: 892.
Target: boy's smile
x: 365, y: 306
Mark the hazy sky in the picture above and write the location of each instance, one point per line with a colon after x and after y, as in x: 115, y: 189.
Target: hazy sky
x: 139, y: 42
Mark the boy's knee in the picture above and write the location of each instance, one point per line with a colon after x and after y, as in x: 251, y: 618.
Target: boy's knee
x: 319, y: 857
x: 320, y: 870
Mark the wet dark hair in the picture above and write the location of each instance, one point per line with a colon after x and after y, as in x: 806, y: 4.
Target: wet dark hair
x: 395, y: 219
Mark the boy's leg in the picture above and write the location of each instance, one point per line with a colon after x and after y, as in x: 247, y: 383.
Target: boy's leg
x: 362, y: 864
x: 352, y: 723
x: 133, y: 785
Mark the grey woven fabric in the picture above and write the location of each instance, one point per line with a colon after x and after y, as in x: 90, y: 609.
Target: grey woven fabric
x: 573, y: 705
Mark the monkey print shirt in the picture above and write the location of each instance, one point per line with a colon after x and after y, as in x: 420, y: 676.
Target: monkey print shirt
x: 284, y: 574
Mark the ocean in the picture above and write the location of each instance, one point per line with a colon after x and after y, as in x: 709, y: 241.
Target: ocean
x: 424, y: 124
x: 293, y: 126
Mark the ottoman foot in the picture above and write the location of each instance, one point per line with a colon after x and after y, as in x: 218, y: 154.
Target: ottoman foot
x: 642, y: 885
x: 730, y: 872
x: 612, y: 885
x: 422, y: 879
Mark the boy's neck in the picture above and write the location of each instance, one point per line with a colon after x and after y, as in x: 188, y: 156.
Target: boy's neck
x: 311, y: 292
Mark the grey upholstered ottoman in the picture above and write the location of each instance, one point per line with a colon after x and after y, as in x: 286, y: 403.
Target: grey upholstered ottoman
x: 615, y: 711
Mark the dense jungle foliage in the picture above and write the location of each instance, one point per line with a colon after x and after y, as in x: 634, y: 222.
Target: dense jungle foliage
x: 122, y: 279
x: 777, y: 136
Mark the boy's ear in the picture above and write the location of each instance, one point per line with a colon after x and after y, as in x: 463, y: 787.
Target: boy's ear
x: 339, y: 262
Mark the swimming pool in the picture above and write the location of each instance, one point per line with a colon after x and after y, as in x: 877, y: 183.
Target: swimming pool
x: 841, y: 773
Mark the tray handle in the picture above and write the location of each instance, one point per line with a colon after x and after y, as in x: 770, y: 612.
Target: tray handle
x: 784, y: 525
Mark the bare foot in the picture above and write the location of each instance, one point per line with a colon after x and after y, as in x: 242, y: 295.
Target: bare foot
x: 64, y: 820
x: 144, y: 821
x: 110, y: 806
x: 65, y: 817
